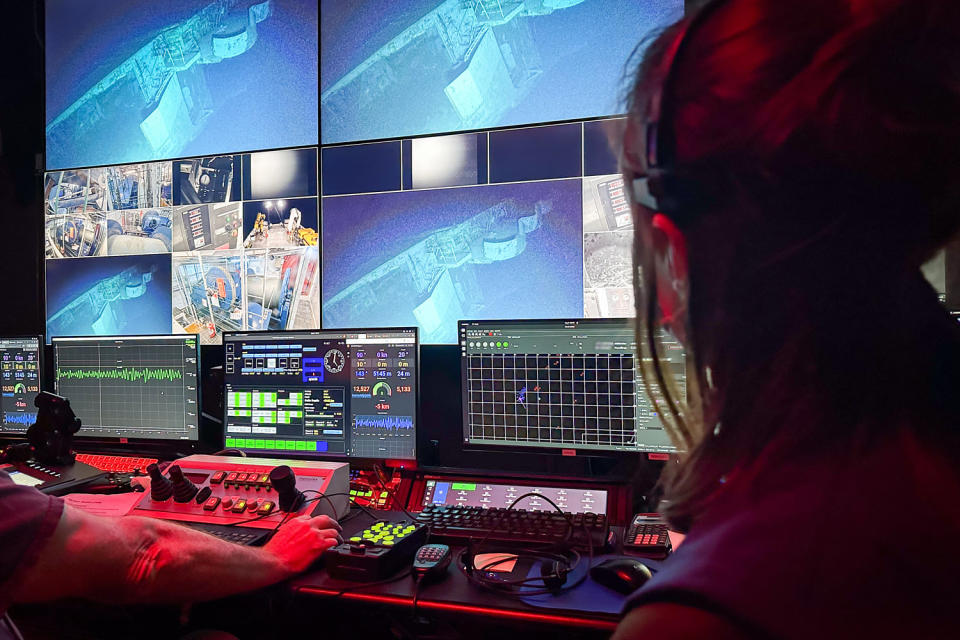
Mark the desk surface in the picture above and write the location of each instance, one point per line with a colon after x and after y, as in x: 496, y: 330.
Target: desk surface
x: 587, y: 605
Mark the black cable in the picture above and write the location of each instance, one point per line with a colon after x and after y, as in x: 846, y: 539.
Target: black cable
x: 513, y: 587
x: 243, y: 454
x: 393, y: 497
x: 376, y: 583
x: 416, y: 596
x: 320, y: 496
x: 325, y: 496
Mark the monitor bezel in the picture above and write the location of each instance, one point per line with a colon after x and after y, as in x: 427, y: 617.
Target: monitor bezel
x: 293, y: 455
x: 119, y: 444
x: 7, y: 436
x: 572, y: 451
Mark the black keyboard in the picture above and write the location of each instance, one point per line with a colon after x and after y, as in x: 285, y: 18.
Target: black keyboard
x: 516, y: 526
x: 240, y: 535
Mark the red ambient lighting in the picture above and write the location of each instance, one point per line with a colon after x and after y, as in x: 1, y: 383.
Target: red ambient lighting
x: 607, y: 625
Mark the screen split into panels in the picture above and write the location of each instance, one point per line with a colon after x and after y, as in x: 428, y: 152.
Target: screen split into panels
x: 322, y: 393
x: 204, y: 245
x: 241, y: 165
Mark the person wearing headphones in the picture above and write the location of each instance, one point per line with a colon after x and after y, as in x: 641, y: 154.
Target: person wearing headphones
x: 793, y: 164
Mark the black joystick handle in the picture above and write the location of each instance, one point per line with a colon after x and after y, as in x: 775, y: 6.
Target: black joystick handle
x: 160, y: 487
x: 284, y: 481
x: 183, y: 489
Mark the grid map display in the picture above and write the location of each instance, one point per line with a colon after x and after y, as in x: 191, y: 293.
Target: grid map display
x: 556, y: 384
x: 131, y: 387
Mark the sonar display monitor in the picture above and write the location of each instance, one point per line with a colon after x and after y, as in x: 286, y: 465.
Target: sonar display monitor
x: 128, y: 388
x: 559, y: 384
x: 20, y: 372
x: 343, y: 393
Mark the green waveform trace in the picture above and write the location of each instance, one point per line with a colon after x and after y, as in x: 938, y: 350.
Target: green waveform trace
x: 143, y: 375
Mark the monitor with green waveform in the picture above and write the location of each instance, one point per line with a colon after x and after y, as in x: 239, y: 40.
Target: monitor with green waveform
x: 133, y: 374
x: 131, y: 389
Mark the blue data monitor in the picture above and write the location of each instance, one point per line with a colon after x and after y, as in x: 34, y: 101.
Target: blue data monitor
x: 20, y: 377
x: 322, y: 393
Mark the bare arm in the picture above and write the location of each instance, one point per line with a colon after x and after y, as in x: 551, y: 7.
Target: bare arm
x: 134, y: 559
x: 675, y: 622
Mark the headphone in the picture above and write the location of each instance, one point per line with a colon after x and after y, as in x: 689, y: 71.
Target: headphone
x: 553, y: 572
x: 665, y: 188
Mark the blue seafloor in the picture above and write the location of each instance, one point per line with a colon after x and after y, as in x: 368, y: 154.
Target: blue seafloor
x: 116, y: 295
x: 264, y: 98
x: 576, y: 52
x: 362, y: 233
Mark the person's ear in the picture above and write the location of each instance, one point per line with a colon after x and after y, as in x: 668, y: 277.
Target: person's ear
x: 671, y: 270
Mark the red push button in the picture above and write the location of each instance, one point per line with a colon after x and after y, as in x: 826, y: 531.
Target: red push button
x: 211, y: 504
x: 266, y: 508
x: 218, y: 477
x: 239, y: 505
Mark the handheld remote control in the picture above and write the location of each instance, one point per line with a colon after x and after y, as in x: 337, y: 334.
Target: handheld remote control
x: 431, y: 560
x: 648, y: 534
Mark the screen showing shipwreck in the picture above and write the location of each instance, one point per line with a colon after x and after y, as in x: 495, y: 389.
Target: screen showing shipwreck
x: 141, y: 80
x: 392, y: 69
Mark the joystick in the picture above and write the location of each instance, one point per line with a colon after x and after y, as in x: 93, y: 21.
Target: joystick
x: 285, y: 482
x: 183, y: 489
x: 160, y: 487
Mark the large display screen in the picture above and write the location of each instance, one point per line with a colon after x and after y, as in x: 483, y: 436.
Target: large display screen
x: 142, y: 80
x: 322, y: 393
x: 432, y: 257
x: 466, y: 170
x: 396, y: 69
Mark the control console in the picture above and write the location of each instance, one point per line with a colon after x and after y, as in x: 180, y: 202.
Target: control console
x: 376, y: 552
x: 386, y: 490
x: 256, y: 493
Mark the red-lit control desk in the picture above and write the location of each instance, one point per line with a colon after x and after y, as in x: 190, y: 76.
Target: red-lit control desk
x: 233, y: 490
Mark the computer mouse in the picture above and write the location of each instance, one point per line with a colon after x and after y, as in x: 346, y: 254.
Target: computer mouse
x: 624, y: 575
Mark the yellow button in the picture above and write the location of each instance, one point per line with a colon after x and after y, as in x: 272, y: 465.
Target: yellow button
x: 388, y: 543
x: 356, y: 539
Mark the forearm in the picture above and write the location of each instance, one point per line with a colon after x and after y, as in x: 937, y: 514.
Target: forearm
x: 173, y: 563
x: 134, y: 559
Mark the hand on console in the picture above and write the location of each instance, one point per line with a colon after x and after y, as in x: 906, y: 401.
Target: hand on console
x: 302, y: 540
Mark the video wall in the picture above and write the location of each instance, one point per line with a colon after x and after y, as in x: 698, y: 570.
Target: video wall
x: 460, y: 167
